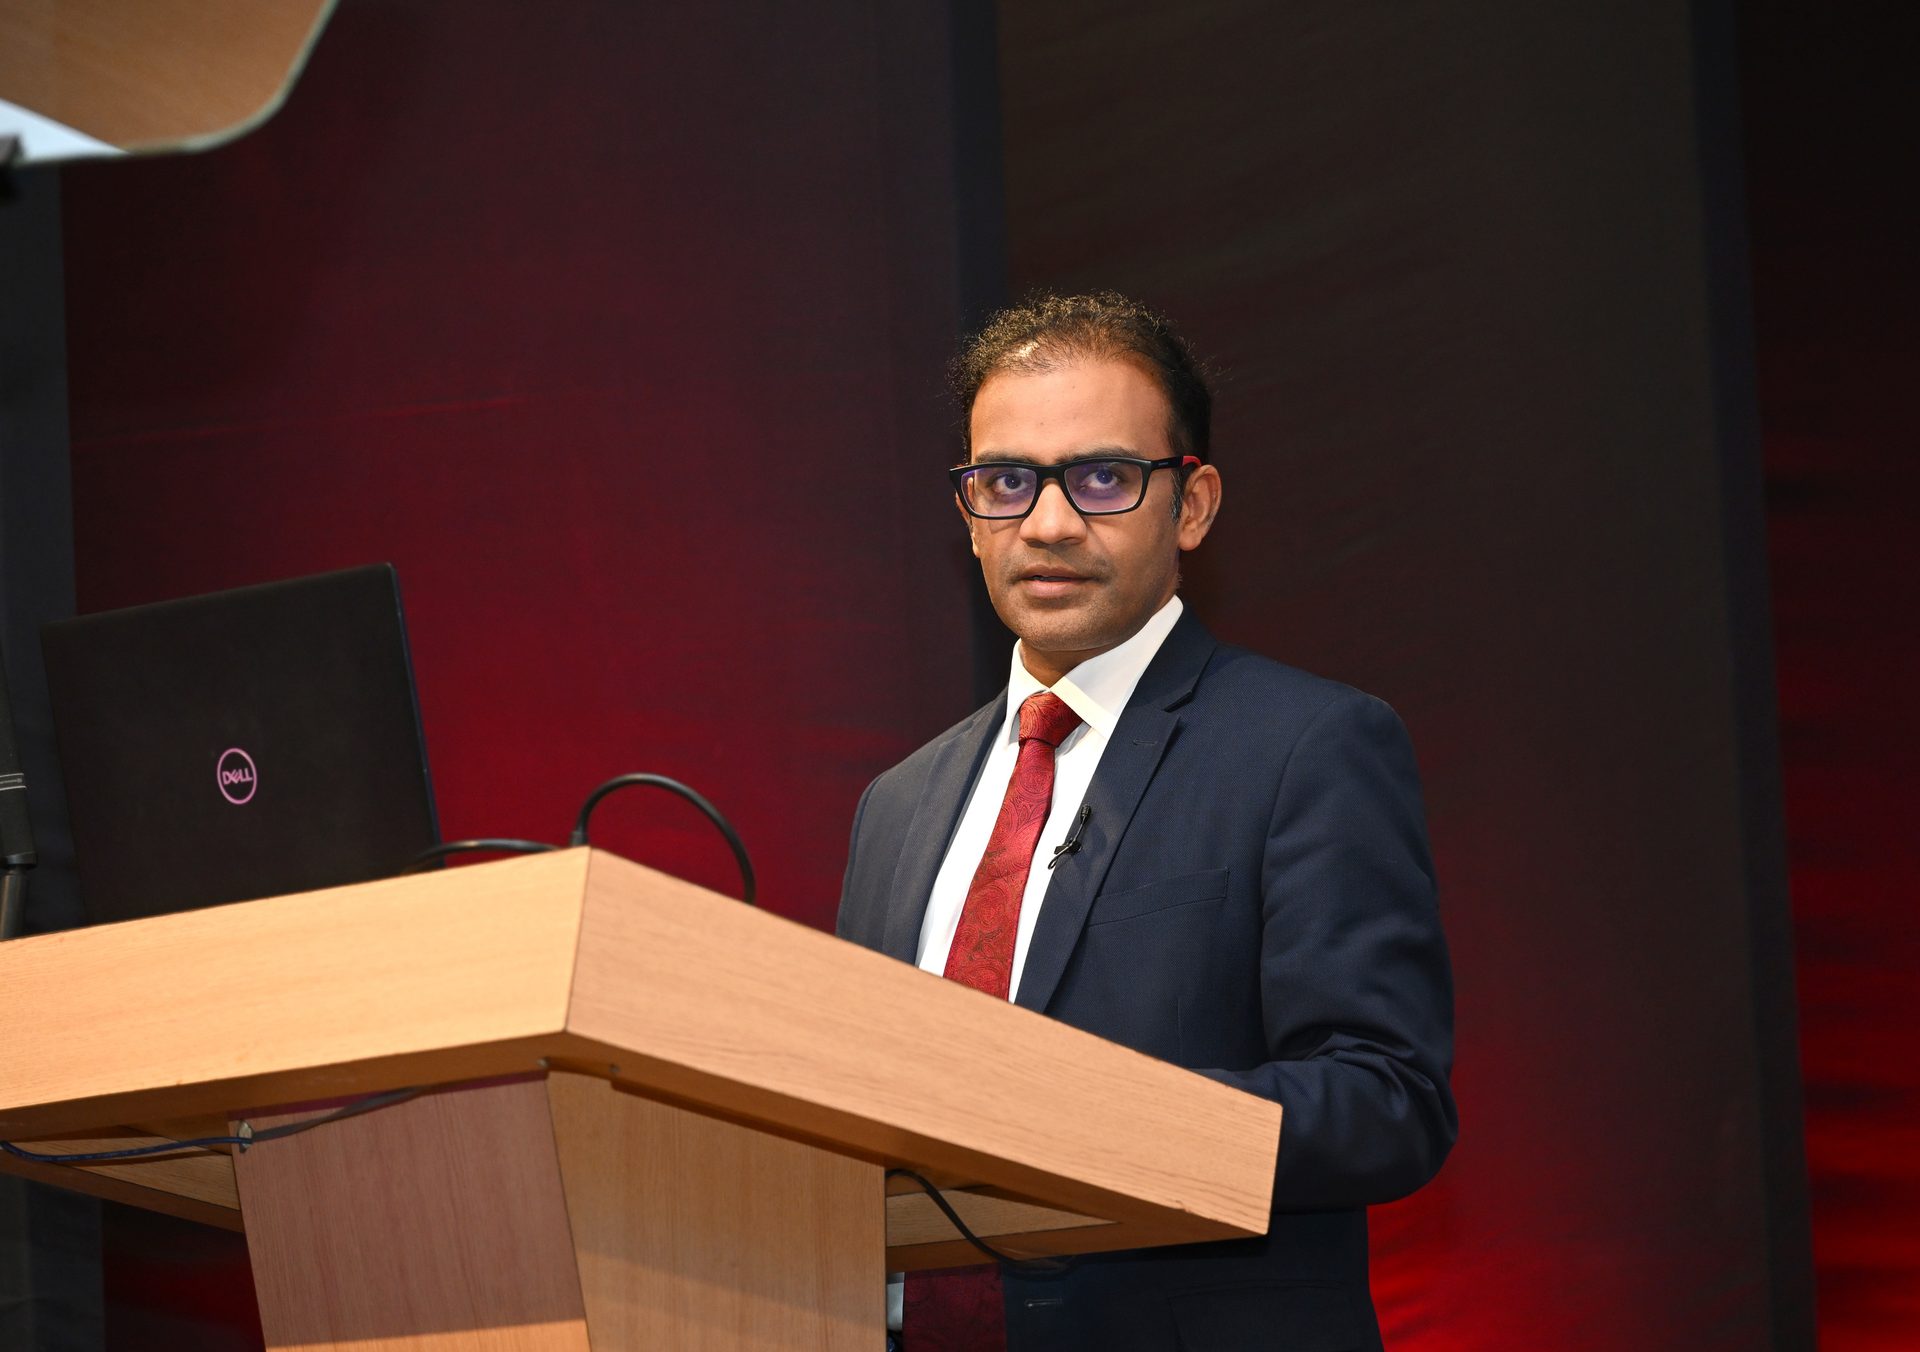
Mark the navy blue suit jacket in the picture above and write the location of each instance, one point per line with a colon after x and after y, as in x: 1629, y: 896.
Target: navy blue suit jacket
x: 1254, y: 900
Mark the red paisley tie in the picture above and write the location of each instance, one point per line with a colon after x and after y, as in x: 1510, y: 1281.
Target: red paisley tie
x: 961, y: 1310
x: 982, y: 952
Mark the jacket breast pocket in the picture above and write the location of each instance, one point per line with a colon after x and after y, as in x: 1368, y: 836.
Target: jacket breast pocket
x: 1188, y: 889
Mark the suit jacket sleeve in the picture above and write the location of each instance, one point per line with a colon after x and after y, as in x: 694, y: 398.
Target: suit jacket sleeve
x: 1356, y: 993
x: 853, y: 920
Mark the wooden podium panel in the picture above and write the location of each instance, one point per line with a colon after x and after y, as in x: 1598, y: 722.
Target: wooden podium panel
x: 317, y: 995
x: 666, y: 1094
x: 558, y: 1214
x: 805, y: 1034
x: 659, y: 1198
x: 435, y: 1223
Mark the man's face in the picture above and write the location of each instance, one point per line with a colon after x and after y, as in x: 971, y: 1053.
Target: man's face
x: 1073, y: 586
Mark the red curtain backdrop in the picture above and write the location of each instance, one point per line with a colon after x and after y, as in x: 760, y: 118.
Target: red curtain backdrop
x: 1452, y: 263
x: 620, y: 330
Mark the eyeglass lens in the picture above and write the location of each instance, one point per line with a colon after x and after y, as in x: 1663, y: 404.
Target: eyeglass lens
x: 1093, y: 486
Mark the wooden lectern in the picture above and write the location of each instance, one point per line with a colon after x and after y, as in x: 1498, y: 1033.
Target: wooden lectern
x: 660, y: 1119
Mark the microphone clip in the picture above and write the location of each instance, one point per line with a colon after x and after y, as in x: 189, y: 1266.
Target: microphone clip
x: 1071, y: 845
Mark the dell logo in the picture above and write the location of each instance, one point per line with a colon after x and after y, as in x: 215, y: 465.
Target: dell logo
x: 236, y: 776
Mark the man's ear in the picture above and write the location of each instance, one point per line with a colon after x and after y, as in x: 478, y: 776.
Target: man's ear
x: 968, y: 517
x: 1199, y: 506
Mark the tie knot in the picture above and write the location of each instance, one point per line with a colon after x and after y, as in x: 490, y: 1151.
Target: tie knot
x: 1045, y: 717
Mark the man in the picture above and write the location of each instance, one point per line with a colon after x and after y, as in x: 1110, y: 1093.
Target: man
x: 1169, y: 842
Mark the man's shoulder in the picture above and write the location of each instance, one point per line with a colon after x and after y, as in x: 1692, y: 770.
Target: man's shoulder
x: 916, y: 767
x: 1252, y: 719
x: 1248, y: 691
x: 1223, y: 688
x: 1233, y: 670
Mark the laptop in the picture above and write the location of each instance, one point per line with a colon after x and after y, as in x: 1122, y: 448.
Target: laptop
x: 240, y: 745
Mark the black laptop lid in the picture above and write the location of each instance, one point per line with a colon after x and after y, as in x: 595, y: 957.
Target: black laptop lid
x: 241, y: 744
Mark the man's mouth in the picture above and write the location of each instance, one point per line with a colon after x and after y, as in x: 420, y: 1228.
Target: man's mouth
x: 1051, y: 581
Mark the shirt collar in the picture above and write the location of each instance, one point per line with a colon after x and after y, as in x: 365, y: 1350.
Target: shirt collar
x: 1099, y: 688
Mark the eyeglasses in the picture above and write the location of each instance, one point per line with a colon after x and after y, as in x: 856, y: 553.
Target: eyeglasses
x: 1006, y: 490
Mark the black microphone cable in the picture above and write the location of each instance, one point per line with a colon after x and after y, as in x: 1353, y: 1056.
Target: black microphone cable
x: 246, y: 1140
x: 711, y: 812
x: 515, y: 845
x: 1019, y: 1267
x: 480, y: 845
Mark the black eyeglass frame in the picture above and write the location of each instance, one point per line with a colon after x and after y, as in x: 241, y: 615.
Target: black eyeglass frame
x: 1058, y: 472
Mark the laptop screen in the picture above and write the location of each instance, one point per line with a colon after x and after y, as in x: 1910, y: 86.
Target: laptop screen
x: 240, y: 745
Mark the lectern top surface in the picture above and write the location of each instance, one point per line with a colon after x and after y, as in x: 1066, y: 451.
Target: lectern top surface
x: 583, y: 962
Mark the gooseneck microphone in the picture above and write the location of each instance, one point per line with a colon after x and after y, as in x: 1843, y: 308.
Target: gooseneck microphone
x: 16, y: 828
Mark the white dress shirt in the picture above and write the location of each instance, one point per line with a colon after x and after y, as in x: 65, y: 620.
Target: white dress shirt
x: 1098, y: 690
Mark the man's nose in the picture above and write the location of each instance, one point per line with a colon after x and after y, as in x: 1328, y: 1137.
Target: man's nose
x: 1053, y: 517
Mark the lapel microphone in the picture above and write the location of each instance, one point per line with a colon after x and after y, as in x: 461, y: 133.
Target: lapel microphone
x: 1071, y: 844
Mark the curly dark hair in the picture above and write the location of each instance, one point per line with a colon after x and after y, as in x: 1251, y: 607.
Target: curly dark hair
x: 1046, y: 331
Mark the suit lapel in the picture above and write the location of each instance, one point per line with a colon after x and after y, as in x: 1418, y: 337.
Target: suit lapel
x: 935, y: 817
x: 1127, y: 766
